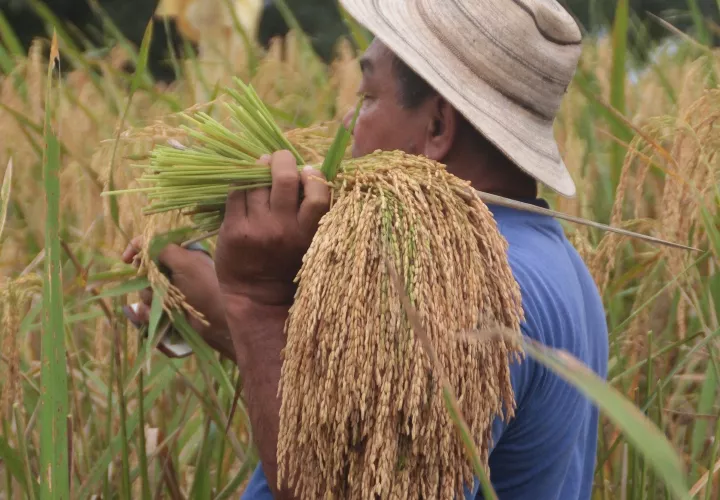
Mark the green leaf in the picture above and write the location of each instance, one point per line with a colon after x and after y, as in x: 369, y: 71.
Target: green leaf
x: 360, y: 36
x: 202, y: 482
x: 637, y: 428
x: 7, y: 34
x: 54, y: 406
x: 5, y: 196
x: 712, y: 230
x: 101, y: 464
x: 705, y: 406
x: 141, y: 69
x: 137, y: 80
x: 698, y: 18
x: 336, y: 153
x: 13, y: 462
x: 134, y: 285
x: 202, y: 350
x: 617, y: 84
x: 249, y: 46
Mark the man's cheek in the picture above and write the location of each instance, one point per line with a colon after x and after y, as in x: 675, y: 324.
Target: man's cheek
x: 362, y: 140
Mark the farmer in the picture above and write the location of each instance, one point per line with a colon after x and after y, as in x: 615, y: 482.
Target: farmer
x: 486, y: 82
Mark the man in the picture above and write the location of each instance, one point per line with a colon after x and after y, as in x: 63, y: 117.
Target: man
x: 487, y: 79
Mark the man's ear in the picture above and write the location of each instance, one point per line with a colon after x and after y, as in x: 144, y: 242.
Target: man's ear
x: 442, y: 129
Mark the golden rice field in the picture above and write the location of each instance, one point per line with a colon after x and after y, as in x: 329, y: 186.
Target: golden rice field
x: 644, y: 152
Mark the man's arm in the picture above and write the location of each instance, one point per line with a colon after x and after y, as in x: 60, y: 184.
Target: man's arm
x: 264, y: 235
x: 257, y: 333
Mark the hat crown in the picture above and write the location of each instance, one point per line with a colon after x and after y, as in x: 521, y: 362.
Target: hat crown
x: 527, y: 50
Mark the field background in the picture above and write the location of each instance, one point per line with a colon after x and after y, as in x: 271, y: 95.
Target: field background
x: 641, y: 140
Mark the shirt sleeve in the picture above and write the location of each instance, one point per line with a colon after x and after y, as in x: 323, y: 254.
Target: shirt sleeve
x: 257, y: 488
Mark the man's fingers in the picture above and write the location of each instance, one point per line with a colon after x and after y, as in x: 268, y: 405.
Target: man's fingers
x: 173, y: 256
x: 146, y: 296
x: 258, y: 200
x: 132, y: 249
x: 316, y: 202
x: 143, y: 313
x: 236, y: 207
x: 285, y: 190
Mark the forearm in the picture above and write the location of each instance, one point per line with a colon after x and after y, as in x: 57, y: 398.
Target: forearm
x: 257, y: 335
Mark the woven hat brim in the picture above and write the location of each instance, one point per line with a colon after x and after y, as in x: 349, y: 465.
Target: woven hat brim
x: 524, y: 137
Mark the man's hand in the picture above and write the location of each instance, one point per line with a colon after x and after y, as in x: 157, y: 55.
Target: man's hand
x: 266, y: 232
x: 193, y: 273
x: 262, y: 241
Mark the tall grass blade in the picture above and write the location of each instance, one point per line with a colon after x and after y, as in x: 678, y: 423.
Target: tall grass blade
x: 638, y: 429
x: 101, y: 464
x: 712, y: 230
x: 708, y: 398
x: 451, y: 402
x: 31, y: 486
x: 9, y: 38
x: 142, y: 448
x: 252, y: 61
x: 617, y: 85
x: 701, y: 30
x: 5, y: 196
x: 54, y: 460
x: 13, y: 462
x: 137, y: 80
x: 335, y: 154
x: 360, y: 36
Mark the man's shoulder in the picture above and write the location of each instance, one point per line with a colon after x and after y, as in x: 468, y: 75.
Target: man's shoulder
x: 558, y: 291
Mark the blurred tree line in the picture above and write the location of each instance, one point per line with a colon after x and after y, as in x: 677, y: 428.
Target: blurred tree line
x: 324, y: 25
x: 596, y: 16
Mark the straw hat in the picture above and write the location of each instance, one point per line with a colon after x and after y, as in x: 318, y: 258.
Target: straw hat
x: 504, y: 64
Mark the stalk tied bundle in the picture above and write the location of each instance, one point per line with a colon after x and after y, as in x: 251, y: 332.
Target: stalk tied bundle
x: 363, y: 412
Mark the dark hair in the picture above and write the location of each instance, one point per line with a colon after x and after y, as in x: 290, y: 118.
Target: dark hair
x: 413, y: 90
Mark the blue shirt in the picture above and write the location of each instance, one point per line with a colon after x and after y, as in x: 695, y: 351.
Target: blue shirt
x: 548, y: 450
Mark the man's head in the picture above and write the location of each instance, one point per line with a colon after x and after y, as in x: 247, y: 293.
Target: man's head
x: 504, y: 65
x: 401, y: 111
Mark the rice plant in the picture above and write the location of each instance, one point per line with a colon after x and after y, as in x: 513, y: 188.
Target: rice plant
x: 642, y: 148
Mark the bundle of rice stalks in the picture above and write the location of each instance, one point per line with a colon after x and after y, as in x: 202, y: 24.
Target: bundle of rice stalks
x: 362, y: 407
x: 363, y: 412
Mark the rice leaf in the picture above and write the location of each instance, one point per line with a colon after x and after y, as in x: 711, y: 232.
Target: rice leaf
x: 202, y: 482
x: 31, y: 485
x: 249, y: 45
x: 7, y: 64
x: 705, y: 405
x: 142, y: 448
x: 637, y: 428
x: 360, y: 36
x: 712, y: 230
x: 135, y: 84
x: 134, y: 285
x: 13, y: 463
x: 101, y: 464
x: 5, y: 195
x: 9, y: 38
x: 54, y: 460
x: 703, y: 35
x: 617, y: 90
x: 336, y: 153
x: 451, y: 402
